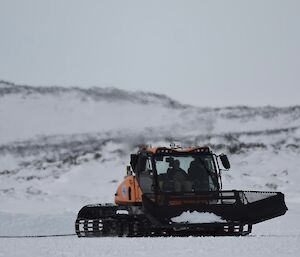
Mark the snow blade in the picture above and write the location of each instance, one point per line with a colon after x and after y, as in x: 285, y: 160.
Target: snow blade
x: 247, y: 207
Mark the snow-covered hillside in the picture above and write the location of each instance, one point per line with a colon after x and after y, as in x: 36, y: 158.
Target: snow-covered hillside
x: 28, y: 112
x: 62, y: 148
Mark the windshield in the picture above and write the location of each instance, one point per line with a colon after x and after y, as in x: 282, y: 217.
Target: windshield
x: 186, y: 173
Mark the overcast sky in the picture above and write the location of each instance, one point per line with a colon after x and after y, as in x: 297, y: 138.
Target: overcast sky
x: 203, y: 52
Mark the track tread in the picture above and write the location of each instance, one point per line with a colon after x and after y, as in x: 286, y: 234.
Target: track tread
x: 110, y: 224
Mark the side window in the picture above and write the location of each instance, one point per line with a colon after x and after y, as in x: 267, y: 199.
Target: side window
x: 209, y: 164
x: 149, y: 167
x: 146, y: 177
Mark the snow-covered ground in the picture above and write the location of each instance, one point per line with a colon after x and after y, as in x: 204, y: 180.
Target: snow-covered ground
x: 220, y: 247
x: 63, y: 148
x: 278, y: 237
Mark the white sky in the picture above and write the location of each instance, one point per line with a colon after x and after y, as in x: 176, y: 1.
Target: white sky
x: 203, y: 52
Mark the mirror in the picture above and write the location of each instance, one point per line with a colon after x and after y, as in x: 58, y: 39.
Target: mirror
x: 225, y: 161
x: 128, y: 170
x: 133, y: 160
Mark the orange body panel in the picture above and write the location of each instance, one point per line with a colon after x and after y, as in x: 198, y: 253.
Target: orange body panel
x: 128, y: 192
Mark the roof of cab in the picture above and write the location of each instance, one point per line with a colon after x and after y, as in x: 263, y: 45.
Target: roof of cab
x: 193, y: 149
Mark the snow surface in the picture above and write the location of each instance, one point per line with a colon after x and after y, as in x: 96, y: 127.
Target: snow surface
x: 197, y: 217
x: 246, y: 247
x: 277, y: 237
x: 61, y: 149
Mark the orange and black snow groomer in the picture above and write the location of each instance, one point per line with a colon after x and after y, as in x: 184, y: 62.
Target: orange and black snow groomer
x: 174, y: 191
